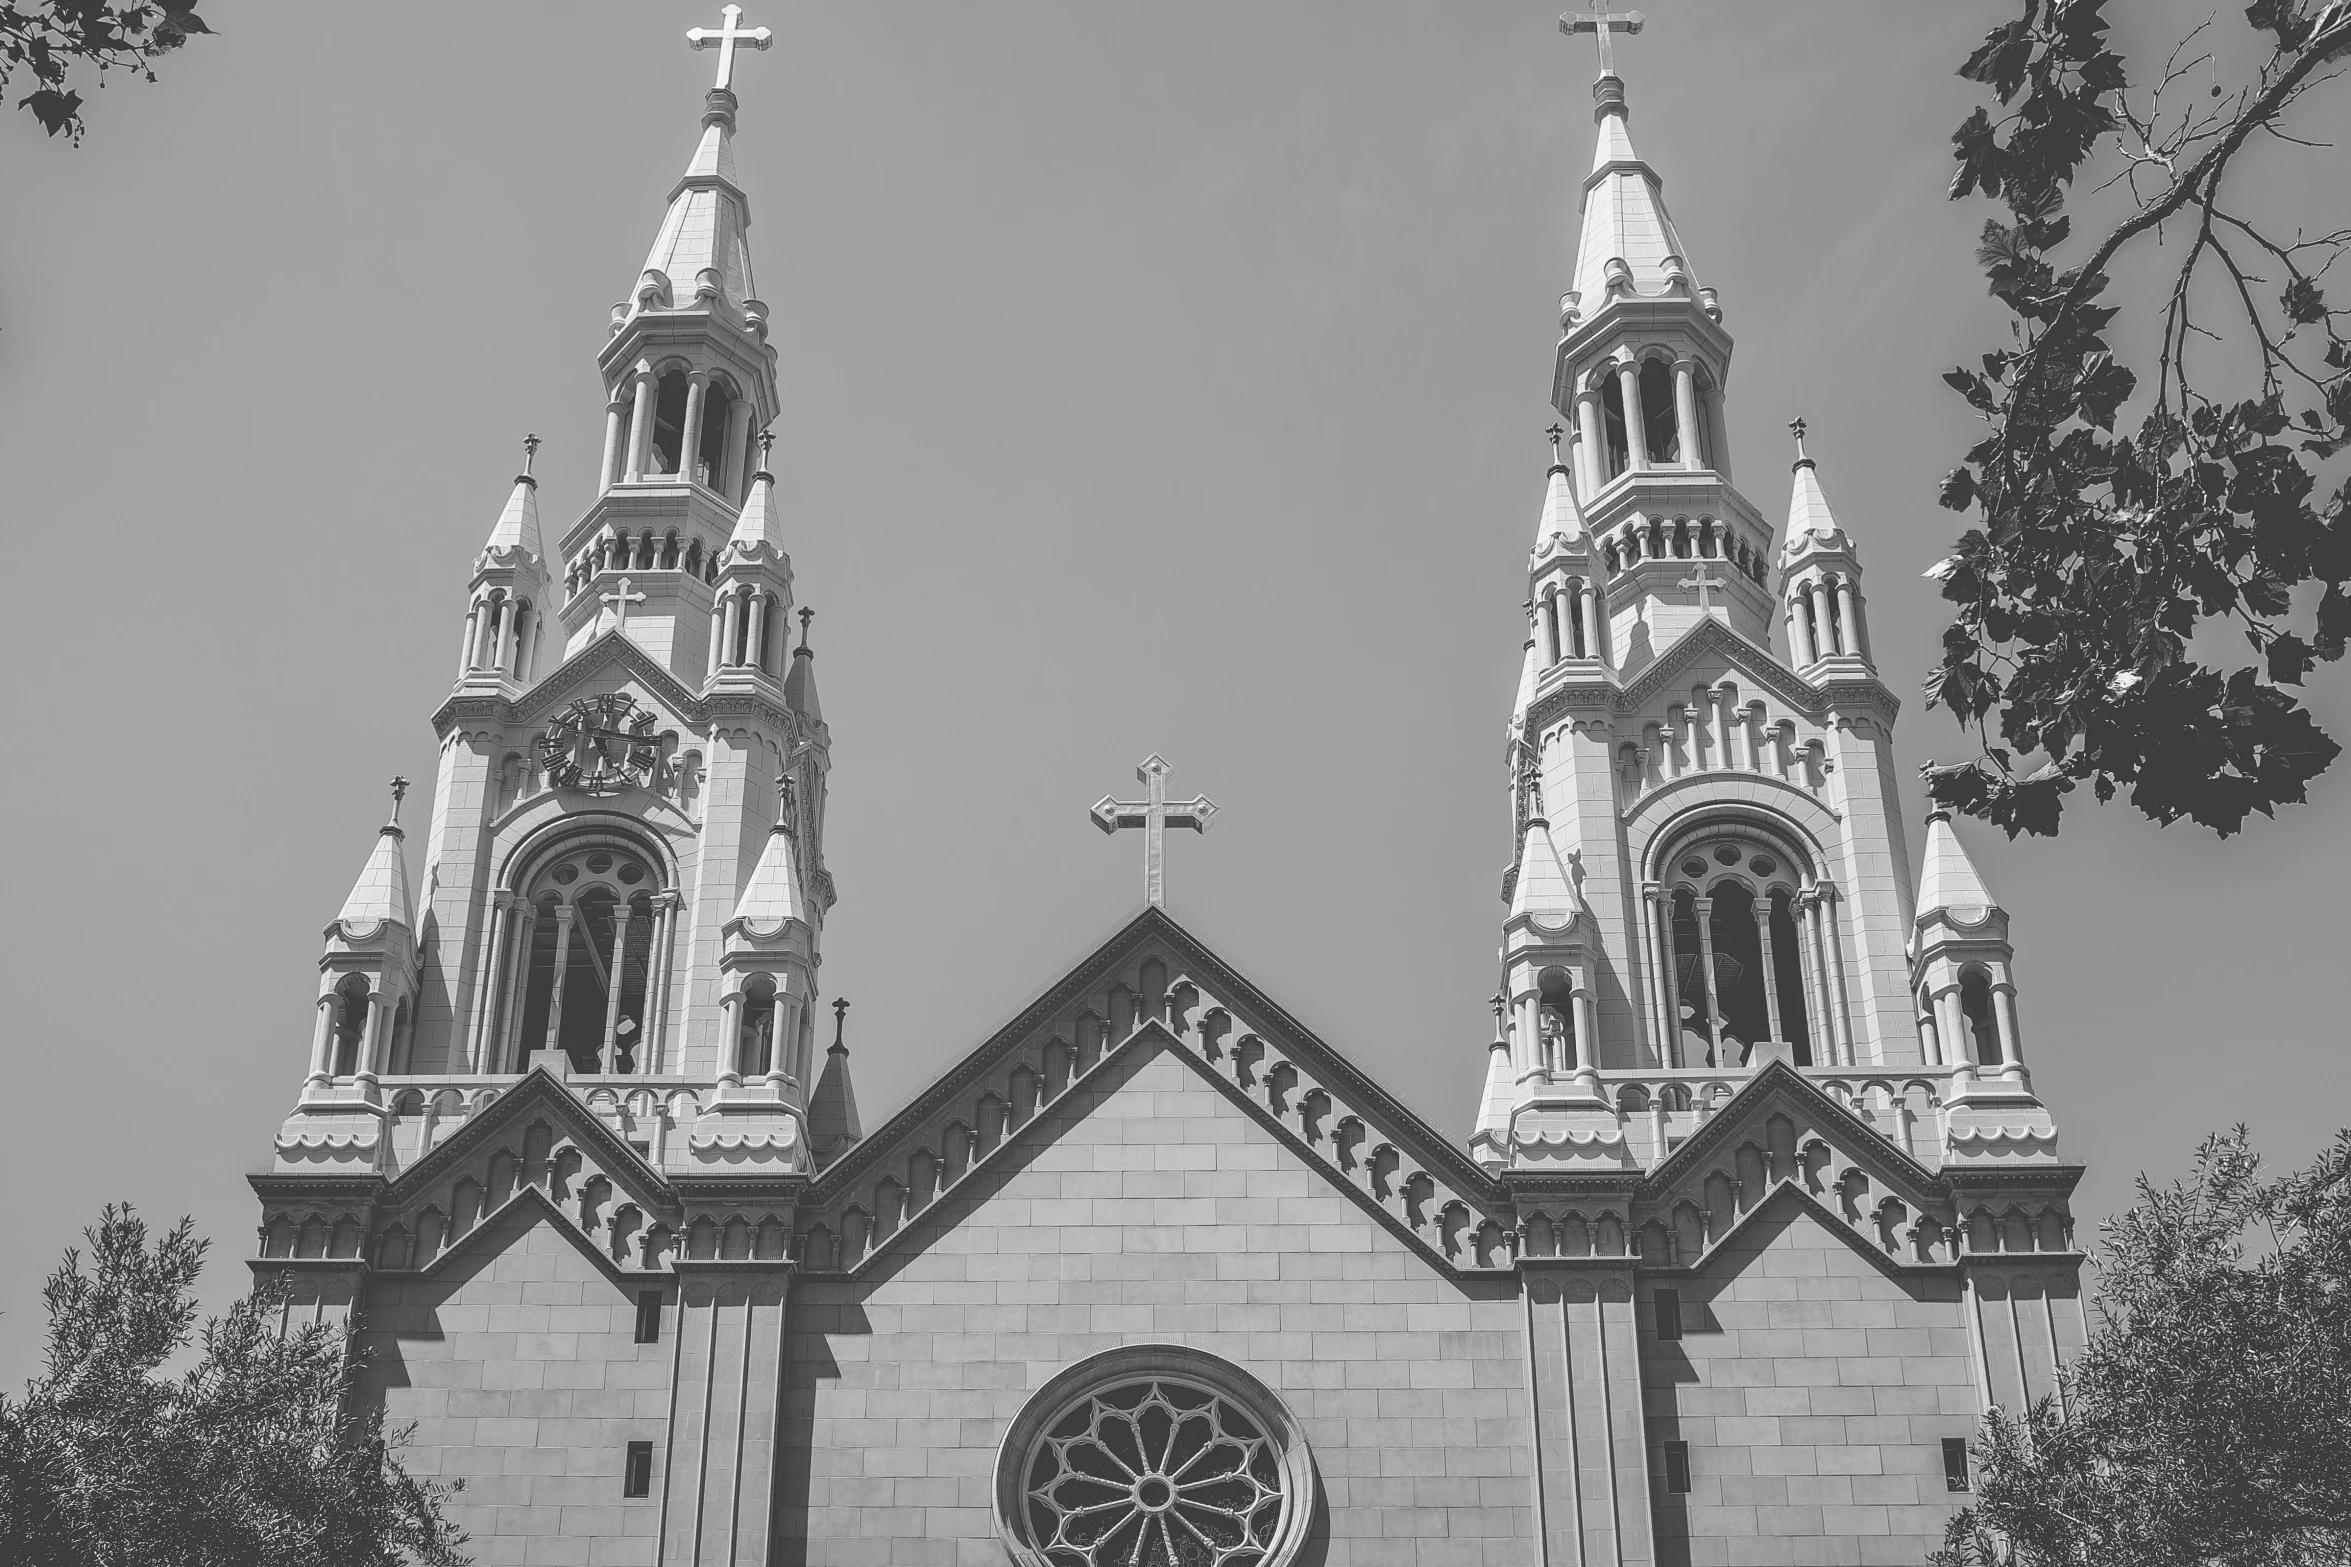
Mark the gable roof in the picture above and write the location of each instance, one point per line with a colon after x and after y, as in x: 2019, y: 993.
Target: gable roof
x: 1748, y: 1107
x: 1312, y: 1069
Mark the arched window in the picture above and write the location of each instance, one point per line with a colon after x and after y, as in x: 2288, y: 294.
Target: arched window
x: 1975, y: 1004
x: 1555, y: 1022
x: 755, y: 1042
x: 1660, y: 431
x: 1612, y: 424
x: 710, y: 456
x: 587, y: 927
x: 350, y: 1024
x: 669, y: 424
x: 1737, y: 967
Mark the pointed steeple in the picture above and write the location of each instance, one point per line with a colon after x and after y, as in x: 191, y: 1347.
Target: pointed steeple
x: 1562, y: 518
x: 702, y: 252
x: 773, y: 898
x: 759, y: 522
x: 517, y: 527
x: 800, y: 683
x: 380, y: 897
x: 1950, y: 884
x: 1490, y: 1141
x: 1544, y: 891
x: 1628, y: 244
x: 1809, y: 516
x: 833, y: 1125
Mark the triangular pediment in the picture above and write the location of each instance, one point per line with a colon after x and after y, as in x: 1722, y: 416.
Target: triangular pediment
x: 1153, y: 988
x: 604, y: 663
x: 535, y: 1142
x: 1780, y: 1133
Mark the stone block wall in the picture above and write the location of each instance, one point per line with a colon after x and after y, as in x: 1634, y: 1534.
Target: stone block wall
x: 1814, y: 1390
x: 519, y: 1366
x: 1147, y: 1207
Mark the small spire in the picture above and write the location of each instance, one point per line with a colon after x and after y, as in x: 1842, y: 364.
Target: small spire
x: 1545, y: 891
x: 833, y: 1124
x: 517, y: 526
x: 1562, y: 518
x: 800, y: 679
x: 1949, y: 883
x: 760, y: 521
x: 1808, y: 504
x: 773, y: 898
x: 380, y: 896
x: 1490, y: 1141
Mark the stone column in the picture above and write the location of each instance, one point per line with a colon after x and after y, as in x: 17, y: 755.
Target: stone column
x: 1849, y: 621
x: 322, y: 1042
x: 1546, y: 629
x: 1652, y: 994
x: 1961, y: 1053
x: 371, y: 1037
x: 488, y: 989
x: 1586, y: 1013
x: 620, y: 951
x: 1588, y: 610
x: 734, y: 615
x: 614, y: 433
x: 1824, y: 1037
x: 755, y: 640
x: 1589, y: 1439
x: 640, y: 426
x: 2004, y: 1022
x: 690, y: 439
x: 731, y: 479
x: 1841, y: 1012
x: 1824, y: 628
x: 1636, y: 439
x: 730, y: 1034
x: 780, y: 1034
x: 1723, y: 760
x: 1771, y: 970
x: 1929, y: 1035
x: 1594, y: 442
x: 718, y: 609
x: 1799, y: 633
x: 1670, y: 982
x: 564, y: 914
x: 473, y: 624
x: 1669, y: 762
x: 1685, y: 411
x: 1703, y: 907
x: 656, y: 1020
x: 518, y: 976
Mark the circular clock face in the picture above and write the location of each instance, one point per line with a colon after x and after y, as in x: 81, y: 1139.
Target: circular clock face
x: 600, y: 745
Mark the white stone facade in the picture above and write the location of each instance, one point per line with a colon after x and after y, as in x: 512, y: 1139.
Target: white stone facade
x: 1759, y: 1213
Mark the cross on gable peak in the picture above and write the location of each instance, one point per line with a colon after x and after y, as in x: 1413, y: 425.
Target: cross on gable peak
x: 1154, y: 813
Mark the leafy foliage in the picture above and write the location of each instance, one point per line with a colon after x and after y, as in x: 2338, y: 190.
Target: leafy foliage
x: 250, y: 1457
x: 2099, y: 551
x: 2209, y: 1420
x: 49, y: 37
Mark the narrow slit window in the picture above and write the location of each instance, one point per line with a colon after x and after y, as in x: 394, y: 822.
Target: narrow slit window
x: 1677, y: 1468
x: 648, y: 1316
x: 636, y: 1476
x: 1955, y: 1476
x: 1669, y: 1315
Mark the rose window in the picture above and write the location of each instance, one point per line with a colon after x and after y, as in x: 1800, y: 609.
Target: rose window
x: 1157, y: 1473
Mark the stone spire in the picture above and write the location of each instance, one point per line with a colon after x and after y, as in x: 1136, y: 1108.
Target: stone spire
x: 1809, y: 516
x: 1544, y: 891
x: 1628, y: 243
x: 833, y: 1126
x: 702, y: 251
x: 1561, y: 518
x: 1949, y: 884
x: 1820, y: 577
x: 773, y: 898
x: 517, y: 527
x: 1490, y: 1142
x: 760, y: 523
x: 800, y: 683
x: 380, y: 897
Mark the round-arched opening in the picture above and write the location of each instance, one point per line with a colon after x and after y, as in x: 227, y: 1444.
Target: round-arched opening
x: 350, y: 1025
x: 668, y: 442
x: 1154, y: 1454
x: 755, y: 1027
x: 1612, y: 427
x: 711, y: 469
x: 1660, y: 428
x: 1975, y: 1004
x: 1736, y: 965
x: 585, y: 929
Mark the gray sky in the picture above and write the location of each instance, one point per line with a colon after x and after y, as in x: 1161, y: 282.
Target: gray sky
x: 1156, y: 377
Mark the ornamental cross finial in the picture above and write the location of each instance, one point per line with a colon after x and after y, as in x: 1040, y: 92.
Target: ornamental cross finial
x: 1601, y: 23
x: 1704, y: 584
x: 1555, y: 432
x: 1796, y: 427
x: 723, y: 38
x: 399, y: 793
x: 1154, y: 813
x: 767, y: 441
x: 840, y: 1023
x: 806, y: 615
x: 530, y: 450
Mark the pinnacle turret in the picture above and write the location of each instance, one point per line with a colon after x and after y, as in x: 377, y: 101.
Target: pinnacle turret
x: 381, y: 897
x: 1627, y: 244
x: 1949, y: 884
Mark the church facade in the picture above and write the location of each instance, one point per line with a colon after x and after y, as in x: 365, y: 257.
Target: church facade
x: 1759, y: 1212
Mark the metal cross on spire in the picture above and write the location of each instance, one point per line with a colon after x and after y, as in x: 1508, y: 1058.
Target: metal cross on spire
x: 1154, y: 813
x: 399, y: 793
x: 1600, y: 24
x: 724, y: 37
x: 1556, y: 431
